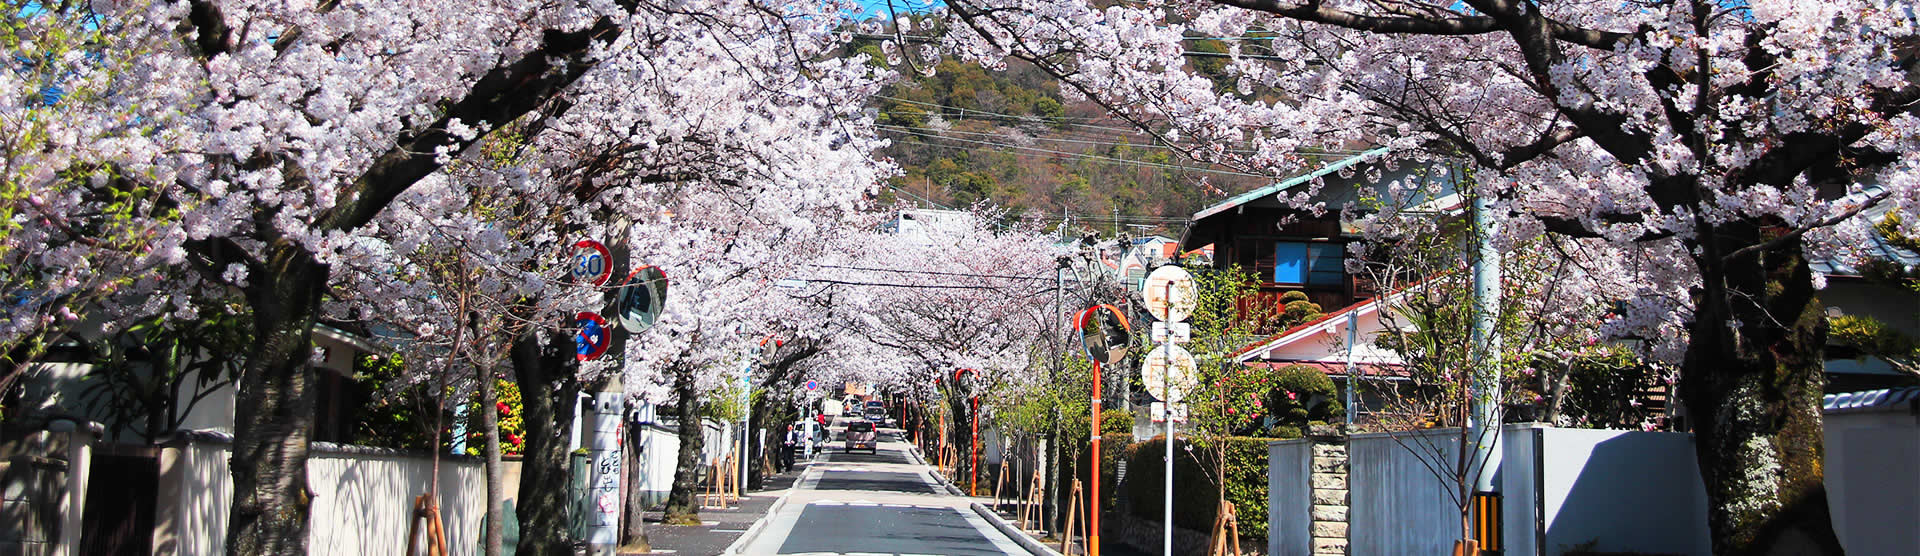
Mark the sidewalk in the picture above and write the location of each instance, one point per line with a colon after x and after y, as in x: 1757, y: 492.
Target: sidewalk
x: 719, y: 527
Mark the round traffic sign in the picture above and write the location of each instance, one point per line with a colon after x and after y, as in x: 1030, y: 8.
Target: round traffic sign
x: 812, y: 385
x: 590, y: 262
x: 594, y: 337
x: 1170, y: 293
x: 641, y: 299
x: 1168, y: 362
x: 1104, y: 333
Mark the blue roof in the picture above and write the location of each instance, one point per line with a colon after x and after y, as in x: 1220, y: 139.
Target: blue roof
x: 1885, y: 399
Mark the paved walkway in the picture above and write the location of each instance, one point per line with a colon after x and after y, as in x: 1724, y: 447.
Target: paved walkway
x: 720, y: 527
x: 884, y: 503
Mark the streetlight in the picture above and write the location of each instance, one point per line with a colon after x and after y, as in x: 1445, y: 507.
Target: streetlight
x: 1104, y: 336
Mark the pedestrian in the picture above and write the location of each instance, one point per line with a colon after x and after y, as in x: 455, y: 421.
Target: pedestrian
x: 788, y: 445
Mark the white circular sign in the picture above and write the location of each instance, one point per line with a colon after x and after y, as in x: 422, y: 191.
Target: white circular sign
x: 1170, y: 293
x: 1155, y: 367
x: 590, y: 262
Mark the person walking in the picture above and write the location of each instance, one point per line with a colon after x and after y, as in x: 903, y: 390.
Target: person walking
x: 790, y: 444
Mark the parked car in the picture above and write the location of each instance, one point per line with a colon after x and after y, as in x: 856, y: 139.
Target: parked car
x: 861, y: 435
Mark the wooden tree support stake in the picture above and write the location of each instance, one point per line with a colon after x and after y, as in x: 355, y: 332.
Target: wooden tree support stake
x: 1226, y: 532
x: 1074, y: 507
x: 425, y: 508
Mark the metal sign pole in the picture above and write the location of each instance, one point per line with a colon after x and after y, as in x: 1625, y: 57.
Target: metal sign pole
x: 1166, y: 543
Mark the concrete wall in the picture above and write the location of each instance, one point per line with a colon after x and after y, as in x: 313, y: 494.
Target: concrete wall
x: 659, y: 446
x: 362, y: 503
x: 1623, y: 491
x: 1873, y: 486
x: 1399, y: 505
x: 1288, y: 498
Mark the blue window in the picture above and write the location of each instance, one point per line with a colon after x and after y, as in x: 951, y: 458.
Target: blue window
x: 1316, y: 264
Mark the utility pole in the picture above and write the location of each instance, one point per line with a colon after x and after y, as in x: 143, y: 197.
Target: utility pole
x: 1486, y: 346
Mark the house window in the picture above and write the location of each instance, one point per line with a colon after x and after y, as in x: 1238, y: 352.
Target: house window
x: 1309, y: 263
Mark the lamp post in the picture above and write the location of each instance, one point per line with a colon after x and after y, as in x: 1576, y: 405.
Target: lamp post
x: 1099, y: 340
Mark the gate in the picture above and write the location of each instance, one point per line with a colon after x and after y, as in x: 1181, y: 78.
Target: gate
x: 122, y: 485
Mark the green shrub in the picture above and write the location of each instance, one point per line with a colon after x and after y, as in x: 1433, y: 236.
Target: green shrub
x: 1301, y: 396
x: 1195, y: 495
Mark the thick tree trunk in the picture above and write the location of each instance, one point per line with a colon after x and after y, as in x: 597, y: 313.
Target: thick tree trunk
x: 496, y: 487
x: 756, y: 421
x: 634, y: 520
x: 547, y: 394
x: 273, y: 410
x: 1752, y: 384
x: 681, y: 507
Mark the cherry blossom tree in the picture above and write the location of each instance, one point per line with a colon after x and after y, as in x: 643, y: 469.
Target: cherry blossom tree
x: 1738, y: 136
x: 264, y: 142
x: 932, y: 292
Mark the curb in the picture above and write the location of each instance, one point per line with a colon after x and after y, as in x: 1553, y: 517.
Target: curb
x: 1034, y: 547
x: 753, y: 532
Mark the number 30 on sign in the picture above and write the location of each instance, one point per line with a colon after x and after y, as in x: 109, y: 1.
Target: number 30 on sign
x: 590, y: 262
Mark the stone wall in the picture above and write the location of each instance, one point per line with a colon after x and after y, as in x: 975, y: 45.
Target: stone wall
x: 1328, y: 481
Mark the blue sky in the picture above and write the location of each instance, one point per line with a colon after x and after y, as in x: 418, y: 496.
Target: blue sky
x: 875, y: 8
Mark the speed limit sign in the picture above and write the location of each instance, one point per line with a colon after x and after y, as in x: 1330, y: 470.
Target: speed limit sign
x: 590, y: 262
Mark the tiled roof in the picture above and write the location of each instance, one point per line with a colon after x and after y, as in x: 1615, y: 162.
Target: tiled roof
x: 1885, y: 399
x: 1879, y: 248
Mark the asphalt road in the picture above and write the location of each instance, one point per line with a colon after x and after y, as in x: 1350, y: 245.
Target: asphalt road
x: 875, y: 504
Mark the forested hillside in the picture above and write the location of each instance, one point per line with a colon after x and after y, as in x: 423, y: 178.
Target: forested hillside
x: 966, y: 134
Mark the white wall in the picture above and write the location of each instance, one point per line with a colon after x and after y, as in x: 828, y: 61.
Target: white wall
x: 1873, y: 484
x: 1626, y: 491
x: 361, y: 503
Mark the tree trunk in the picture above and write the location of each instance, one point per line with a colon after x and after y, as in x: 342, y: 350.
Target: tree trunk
x: 273, y: 409
x: 1752, y: 384
x: 681, y: 508
x: 634, y: 520
x: 547, y: 394
x: 496, y: 496
x: 756, y: 420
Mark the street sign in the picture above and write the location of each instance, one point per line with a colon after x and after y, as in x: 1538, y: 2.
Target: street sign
x: 812, y: 385
x: 1165, y: 360
x: 1178, y: 332
x: 590, y: 263
x: 594, y: 337
x: 641, y: 299
x: 1104, y: 333
x: 1170, y: 293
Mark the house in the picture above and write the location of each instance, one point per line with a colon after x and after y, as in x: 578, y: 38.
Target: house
x: 1287, y: 248
x: 1864, y: 288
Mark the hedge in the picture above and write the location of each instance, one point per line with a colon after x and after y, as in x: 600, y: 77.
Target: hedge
x: 1195, y: 496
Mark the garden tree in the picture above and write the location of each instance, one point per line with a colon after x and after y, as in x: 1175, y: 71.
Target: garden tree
x: 75, y: 228
x: 1227, y: 397
x: 730, y: 248
x: 1735, y: 136
x: 270, y: 137
x: 1552, y: 298
x: 471, y: 279
x: 148, y: 376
